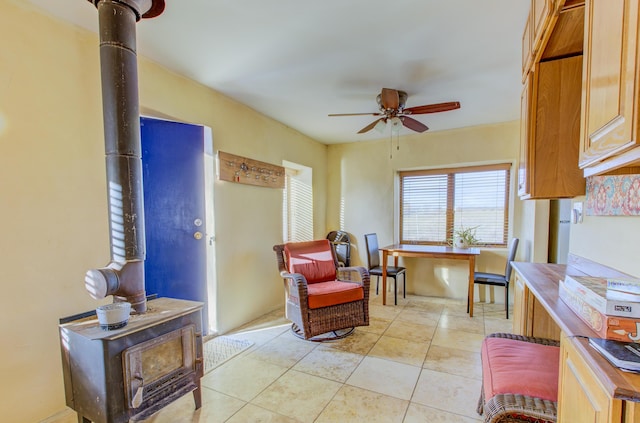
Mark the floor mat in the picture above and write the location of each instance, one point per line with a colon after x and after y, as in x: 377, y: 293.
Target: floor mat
x: 222, y: 348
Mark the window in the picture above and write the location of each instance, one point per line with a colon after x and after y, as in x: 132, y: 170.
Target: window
x: 297, y: 203
x: 435, y: 202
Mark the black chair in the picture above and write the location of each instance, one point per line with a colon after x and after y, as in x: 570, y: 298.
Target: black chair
x: 375, y: 269
x: 497, y: 279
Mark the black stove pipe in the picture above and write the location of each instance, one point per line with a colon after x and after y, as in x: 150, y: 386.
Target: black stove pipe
x: 123, y: 277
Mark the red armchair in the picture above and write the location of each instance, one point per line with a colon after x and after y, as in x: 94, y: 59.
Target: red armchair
x: 321, y: 297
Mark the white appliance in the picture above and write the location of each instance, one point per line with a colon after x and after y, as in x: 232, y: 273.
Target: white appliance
x: 559, y: 230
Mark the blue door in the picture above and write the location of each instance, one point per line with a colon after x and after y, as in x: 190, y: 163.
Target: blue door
x: 174, y: 206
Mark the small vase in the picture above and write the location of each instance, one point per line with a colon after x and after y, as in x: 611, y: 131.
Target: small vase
x: 460, y: 243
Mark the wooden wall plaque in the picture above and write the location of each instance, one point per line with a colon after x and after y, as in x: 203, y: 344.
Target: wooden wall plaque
x: 243, y: 170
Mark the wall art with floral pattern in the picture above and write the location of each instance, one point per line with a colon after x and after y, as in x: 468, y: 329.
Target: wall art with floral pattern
x: 615, y: 195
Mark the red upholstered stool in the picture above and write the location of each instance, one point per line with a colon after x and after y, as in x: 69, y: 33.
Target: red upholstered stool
x: 519, y: 379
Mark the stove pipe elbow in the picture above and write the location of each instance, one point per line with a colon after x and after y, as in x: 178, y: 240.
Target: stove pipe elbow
x: 125, y: 281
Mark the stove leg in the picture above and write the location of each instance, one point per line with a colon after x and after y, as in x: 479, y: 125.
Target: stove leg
x: 197, y: 396
x: 83, y: 419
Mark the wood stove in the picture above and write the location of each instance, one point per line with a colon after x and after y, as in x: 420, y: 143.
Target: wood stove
x: 130, y: 373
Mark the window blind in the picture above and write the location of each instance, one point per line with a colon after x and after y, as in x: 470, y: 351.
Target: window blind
x: 435, y: 202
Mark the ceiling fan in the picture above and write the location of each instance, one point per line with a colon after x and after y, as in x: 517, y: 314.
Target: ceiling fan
x: 392, y: 111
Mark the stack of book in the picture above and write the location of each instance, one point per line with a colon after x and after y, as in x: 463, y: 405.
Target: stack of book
x: 611, y: 307
x: 625, y: 355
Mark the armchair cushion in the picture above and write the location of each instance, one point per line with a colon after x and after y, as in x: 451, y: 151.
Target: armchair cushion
x: 323, y: 294
x: 313, y: 259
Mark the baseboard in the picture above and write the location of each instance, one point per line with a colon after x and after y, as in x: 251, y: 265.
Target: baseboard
x: 64, y: 416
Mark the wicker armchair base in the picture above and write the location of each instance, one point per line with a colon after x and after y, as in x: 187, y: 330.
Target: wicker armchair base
x: 515, y: 407
x: 317, y: 322
x: 327, y: 336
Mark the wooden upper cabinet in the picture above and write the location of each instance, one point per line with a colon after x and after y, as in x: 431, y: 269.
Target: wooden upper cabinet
x: 550, y: 131
x: 535, y: 32
x: 550, y: 103
x: 609, y: 130
x: 538, y: 41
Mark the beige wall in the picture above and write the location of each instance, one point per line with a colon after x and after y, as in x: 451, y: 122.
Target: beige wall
x: 362, y: 191
x: 612, y: 241
x: 52, y: 190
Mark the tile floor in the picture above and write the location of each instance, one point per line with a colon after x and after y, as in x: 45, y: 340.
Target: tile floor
x: 418, y: 361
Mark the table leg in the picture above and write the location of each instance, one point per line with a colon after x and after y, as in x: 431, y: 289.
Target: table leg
x: 385, y: 257
x: 472, y: 268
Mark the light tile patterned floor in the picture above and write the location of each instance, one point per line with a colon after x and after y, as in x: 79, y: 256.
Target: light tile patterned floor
x: 418, y: 361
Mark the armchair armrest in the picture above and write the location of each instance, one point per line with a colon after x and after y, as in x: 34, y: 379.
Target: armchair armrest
x: 295, y: 285
x: 297, y: 279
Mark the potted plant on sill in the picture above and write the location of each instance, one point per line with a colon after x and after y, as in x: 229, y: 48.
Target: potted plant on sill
x: 464, y: 237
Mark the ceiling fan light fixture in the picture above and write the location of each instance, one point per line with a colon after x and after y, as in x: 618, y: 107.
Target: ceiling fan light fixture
x: 396, y: 124
x: 381, y: 126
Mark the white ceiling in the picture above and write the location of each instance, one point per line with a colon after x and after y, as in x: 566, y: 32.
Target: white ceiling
x: 297, y: 60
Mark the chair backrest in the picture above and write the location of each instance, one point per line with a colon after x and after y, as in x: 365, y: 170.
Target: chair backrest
x: 373, y: 255
x: 510, y: 257
x: 315, y: 260
x: 341, y: 243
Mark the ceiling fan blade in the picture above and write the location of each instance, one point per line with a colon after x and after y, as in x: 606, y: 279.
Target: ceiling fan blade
x: 355, y: 114
x: 389, y: 99
x: 370, y: 126
x: 432, y: 108
x: 413, y: 124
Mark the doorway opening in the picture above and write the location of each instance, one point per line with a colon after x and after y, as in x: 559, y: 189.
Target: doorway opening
x: 178, y: 176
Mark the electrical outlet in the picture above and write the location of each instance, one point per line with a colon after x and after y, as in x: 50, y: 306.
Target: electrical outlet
x: 576, y: 213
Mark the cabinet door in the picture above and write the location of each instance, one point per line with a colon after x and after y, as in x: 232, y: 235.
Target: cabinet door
x: 525, y: 136
x: 535, y: 32
x: 554, y: 169
x: 541, y: 14
x: 519, y: 306
x: 550, y: 131
x: 526, y: 47
x: 609, y: 88
x: 581, y: 398
x: 542, y: 20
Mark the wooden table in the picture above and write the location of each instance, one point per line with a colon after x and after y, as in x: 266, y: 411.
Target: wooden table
x: 429, y: 251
